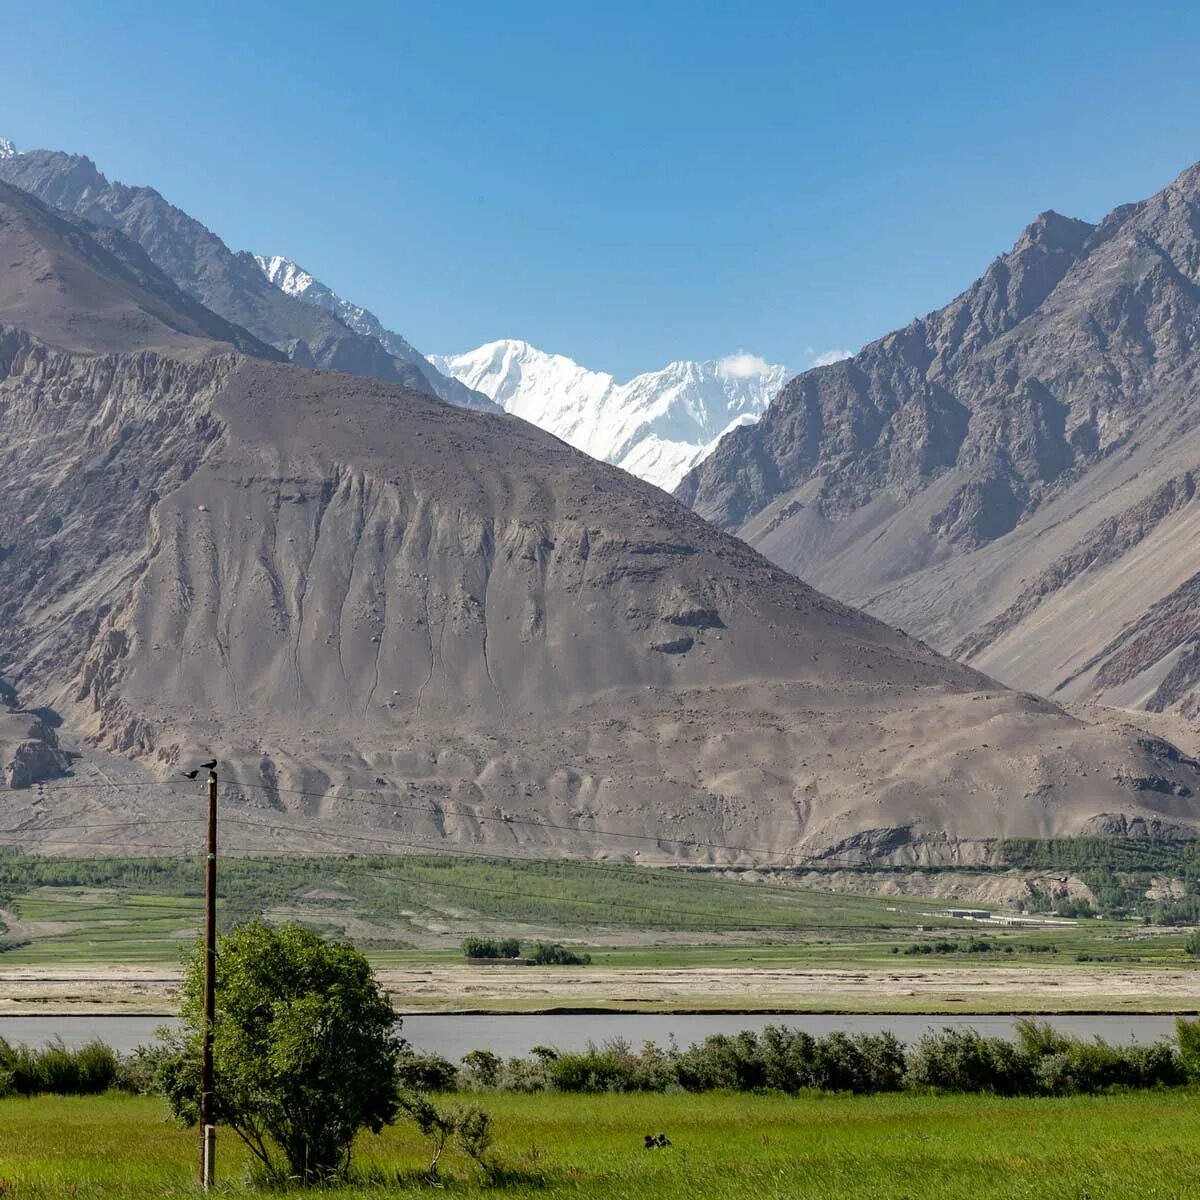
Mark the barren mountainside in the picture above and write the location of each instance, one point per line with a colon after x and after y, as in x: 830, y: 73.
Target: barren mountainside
x: 394, y: 619
x: 232, y: 285
x: 1013, y: 476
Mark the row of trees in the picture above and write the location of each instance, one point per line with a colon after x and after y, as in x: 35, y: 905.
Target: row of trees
x: 1039, y: 1061
x: 543, y: 953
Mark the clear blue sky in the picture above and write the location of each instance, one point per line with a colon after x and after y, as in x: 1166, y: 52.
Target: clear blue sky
x: 626, y: 183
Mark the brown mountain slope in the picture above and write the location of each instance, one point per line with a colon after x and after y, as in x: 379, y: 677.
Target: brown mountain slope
x: 79, y: 288
x: 385, y: 613
x: 228, y: 283
x: 1011, y: 477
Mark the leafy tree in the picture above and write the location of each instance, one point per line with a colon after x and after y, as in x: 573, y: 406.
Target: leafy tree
x: 478, y: 947
x: 555, y: 954
x: 305, y: 1049
x: 1192, y: 944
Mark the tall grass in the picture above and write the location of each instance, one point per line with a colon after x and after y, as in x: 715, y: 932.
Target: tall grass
x: 736, y: 1147
x: 29, y: 1071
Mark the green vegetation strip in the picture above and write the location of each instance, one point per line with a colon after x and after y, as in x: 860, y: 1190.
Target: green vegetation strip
x: 1117, y: 1147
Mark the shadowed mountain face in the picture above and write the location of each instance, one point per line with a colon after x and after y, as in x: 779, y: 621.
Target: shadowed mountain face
x: 1011, y: 477
x: 232, y: 285
x: 389, y: 614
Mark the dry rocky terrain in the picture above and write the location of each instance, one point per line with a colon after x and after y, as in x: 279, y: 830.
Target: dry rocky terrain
x: 391, y: 618
x: 1013, y: 477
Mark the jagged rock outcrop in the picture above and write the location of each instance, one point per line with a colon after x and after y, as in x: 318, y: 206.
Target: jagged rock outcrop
x: 29, y: 750
x: 1011, y: 477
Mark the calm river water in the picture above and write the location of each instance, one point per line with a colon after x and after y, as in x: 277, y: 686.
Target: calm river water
x: 453, y: 1036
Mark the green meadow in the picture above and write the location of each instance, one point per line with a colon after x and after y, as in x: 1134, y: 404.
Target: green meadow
x: 757, y: 1147
x: 413, y: 909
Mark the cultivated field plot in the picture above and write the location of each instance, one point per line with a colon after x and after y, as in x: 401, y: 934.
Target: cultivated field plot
x: 734, y: 1146
x: 86, y: 909
x: 108, y: 935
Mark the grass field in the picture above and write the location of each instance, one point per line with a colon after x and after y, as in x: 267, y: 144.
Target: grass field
x: 416, y: 909
x: 762, y: 1147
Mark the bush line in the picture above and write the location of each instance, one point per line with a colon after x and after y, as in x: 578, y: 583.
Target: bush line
x: 1040, y: 1062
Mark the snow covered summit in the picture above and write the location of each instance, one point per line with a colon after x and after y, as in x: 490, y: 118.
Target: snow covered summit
x: 657, y: 425
x: 7, y: 149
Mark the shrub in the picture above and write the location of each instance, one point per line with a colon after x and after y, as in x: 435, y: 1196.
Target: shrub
x: 27, y: 1071
x: 789, y: 1060
x: 860, y: 1062
x: 481, y: 1068
x: 526, y: 1075
x: 469, y: 1127
x: 608, y: 1068
x: 964, y: 1061
x: 1096, y: 1066
x: 1192, y: 944
x: 1187, y: 1036
x: 557, y: 955
x: 426, y: 1072
x: 138, y: 1072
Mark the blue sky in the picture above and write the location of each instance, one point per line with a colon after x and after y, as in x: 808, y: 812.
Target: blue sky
x: 626, y: 183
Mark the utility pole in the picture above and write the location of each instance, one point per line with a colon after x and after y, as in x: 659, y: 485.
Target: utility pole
x: 208, y: 1129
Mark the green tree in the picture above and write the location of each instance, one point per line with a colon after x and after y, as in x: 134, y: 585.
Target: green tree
x: 304, y: 1053
x: 1192, y: 944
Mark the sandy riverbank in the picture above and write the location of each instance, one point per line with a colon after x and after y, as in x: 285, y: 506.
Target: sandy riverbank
x: 130, y: 989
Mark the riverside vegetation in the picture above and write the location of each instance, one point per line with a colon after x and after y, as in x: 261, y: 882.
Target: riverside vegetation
x: 310, y: 1070
x: 110, y: 910
x: 1040, y: 1061
x: 922, y: 1143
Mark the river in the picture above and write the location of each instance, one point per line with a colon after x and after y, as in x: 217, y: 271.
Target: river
x: 509, y: 1035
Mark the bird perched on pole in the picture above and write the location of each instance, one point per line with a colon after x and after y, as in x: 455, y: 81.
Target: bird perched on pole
x: 209, y: 766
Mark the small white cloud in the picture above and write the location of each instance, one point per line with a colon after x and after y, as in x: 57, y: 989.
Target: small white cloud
x: 742, y: 365
x: 830, y: 356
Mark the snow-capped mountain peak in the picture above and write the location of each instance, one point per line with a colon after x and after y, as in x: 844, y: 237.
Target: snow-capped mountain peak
x: 657, y: 425
x: 286, y: 275
x: 290, y: 277
x: 7, y: 149
x: 293, y: 279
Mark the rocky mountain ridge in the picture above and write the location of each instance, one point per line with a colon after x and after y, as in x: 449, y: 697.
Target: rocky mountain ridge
x: 230, y: 284
x: 293, y: 280
x: 395, y: 620
x: 1008, y: 476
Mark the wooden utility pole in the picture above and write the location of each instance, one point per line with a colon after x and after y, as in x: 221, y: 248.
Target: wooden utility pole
x: 208, y: 1129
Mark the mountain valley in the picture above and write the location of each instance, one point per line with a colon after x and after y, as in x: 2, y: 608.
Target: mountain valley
x: 400, y: 623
